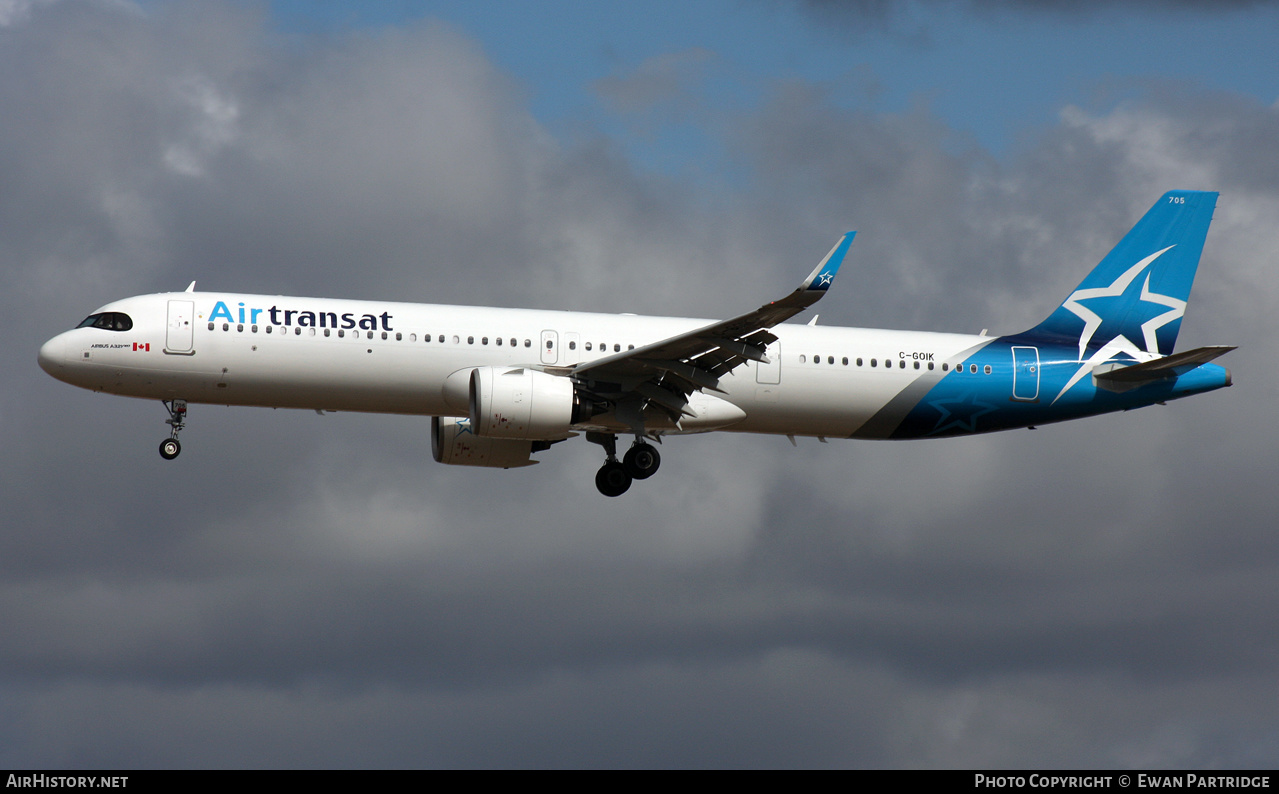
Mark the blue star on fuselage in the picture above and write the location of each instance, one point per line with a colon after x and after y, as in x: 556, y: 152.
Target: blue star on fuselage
x: 959, y: 412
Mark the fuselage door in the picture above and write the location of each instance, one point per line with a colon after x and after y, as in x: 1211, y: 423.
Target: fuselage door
x: 550, y: 347
x: 1025, y: 373
x: 772, y: 371
x: 572, y: 348
x: 181, y: 332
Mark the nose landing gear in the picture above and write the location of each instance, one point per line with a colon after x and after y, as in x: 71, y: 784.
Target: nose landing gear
x: 170, y: 447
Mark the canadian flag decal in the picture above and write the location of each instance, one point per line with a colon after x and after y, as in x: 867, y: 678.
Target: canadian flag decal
x: 146, y: 348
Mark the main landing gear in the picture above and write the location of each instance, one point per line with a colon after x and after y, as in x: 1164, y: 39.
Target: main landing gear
x: 639, y: 463
x: 169, y: 448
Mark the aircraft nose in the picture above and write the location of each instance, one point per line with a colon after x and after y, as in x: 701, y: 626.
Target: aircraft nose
x: 53, y: 355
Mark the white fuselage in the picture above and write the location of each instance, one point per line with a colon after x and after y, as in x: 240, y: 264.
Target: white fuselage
x: 390, y: 357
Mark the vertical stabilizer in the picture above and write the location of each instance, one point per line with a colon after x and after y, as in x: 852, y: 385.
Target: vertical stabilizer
x: 1133, y: 301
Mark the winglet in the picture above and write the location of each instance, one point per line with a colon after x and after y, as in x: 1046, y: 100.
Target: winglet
x: 820, y: 279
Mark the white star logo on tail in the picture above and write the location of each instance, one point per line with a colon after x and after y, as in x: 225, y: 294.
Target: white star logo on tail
x: 1120, y: 343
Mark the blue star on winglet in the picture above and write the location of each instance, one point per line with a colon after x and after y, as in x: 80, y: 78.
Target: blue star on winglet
x: 823, y: 281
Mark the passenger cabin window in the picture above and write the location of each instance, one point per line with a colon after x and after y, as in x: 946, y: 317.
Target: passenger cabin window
x: 108, y: 321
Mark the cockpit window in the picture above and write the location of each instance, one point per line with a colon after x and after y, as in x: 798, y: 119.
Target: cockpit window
x: 111, y: 321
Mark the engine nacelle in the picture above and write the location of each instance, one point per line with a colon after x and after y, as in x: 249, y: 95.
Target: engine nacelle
x: 452, y: 442
x: 517, y: 402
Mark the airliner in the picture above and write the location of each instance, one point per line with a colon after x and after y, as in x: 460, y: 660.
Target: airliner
x: 502, y: 385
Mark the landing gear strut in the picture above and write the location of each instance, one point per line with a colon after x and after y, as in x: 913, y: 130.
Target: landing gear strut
x: 614, y: 477
x: 170, y: 447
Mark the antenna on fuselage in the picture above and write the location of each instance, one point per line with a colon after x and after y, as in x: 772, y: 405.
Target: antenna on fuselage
x: 190, y: 287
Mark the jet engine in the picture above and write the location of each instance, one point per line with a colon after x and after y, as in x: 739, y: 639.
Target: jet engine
x: 453, y: 442
x: 517, y: 402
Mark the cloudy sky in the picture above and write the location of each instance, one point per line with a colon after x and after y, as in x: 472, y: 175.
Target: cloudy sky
x: 299, y: 590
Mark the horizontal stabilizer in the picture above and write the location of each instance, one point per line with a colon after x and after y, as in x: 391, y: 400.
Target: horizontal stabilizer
x: 1118, y: 377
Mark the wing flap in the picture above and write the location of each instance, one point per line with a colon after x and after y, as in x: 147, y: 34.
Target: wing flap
x: 720, y: 347
x: 696, y: 360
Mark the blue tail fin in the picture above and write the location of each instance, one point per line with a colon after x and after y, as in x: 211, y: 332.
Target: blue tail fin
x: 1138, y: 293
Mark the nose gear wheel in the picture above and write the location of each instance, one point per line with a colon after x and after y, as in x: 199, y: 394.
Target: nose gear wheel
x: 170, y: 447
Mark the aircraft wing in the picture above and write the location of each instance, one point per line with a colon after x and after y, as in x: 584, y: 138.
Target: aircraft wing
x: 665, y: 373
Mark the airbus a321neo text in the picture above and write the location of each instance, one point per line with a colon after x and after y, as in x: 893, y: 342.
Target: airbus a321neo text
x: 501, y: 385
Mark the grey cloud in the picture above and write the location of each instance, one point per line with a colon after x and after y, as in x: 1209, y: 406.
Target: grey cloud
x: 662, y: 79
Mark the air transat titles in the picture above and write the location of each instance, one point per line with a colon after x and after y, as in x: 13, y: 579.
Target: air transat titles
x: 301, y: 317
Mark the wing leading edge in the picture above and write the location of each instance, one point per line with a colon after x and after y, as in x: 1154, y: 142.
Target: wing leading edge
x: 664, y: 374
